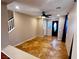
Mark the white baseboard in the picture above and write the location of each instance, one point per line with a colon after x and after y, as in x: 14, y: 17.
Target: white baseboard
x: 26, y: 40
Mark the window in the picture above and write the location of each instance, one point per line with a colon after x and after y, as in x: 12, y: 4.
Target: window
x: 50, y: 25
x: 10, y: 24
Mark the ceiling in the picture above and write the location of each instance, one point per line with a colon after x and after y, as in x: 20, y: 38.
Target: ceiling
x: 35, y: 7
x: 7, y: 1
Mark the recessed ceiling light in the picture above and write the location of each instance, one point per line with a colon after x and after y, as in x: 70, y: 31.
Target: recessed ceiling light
x: 58, y: 15
x: 17, y: 7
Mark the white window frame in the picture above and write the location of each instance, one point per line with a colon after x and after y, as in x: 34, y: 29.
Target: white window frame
x: 11, y: 25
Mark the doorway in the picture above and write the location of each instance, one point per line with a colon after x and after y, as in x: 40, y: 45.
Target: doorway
x: 55, y: 28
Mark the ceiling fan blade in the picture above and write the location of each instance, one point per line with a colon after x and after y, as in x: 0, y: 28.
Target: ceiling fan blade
x: 49, y: 15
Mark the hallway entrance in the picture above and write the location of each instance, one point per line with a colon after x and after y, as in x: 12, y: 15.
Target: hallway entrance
x: 50, y: 28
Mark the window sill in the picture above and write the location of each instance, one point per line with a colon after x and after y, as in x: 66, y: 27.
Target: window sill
x: 11, y: 30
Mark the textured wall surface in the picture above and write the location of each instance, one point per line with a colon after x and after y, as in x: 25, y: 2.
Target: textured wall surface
x: 4, y: 26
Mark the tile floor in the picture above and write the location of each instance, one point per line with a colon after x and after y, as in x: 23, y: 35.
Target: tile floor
x: 45, y: 48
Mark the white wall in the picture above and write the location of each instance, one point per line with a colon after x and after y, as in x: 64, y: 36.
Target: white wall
x: 40, y: 30
x: 25, y: 28
x: 74, y: 50
x: 44, y: 26
x: 61, y: 27
x: 71, y: 26
x: 4, y: 26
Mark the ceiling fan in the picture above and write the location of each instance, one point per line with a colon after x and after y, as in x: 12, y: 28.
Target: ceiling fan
x: 45, y: 14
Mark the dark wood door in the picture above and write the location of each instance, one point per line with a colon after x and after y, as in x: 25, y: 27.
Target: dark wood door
x: 54, y: 28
